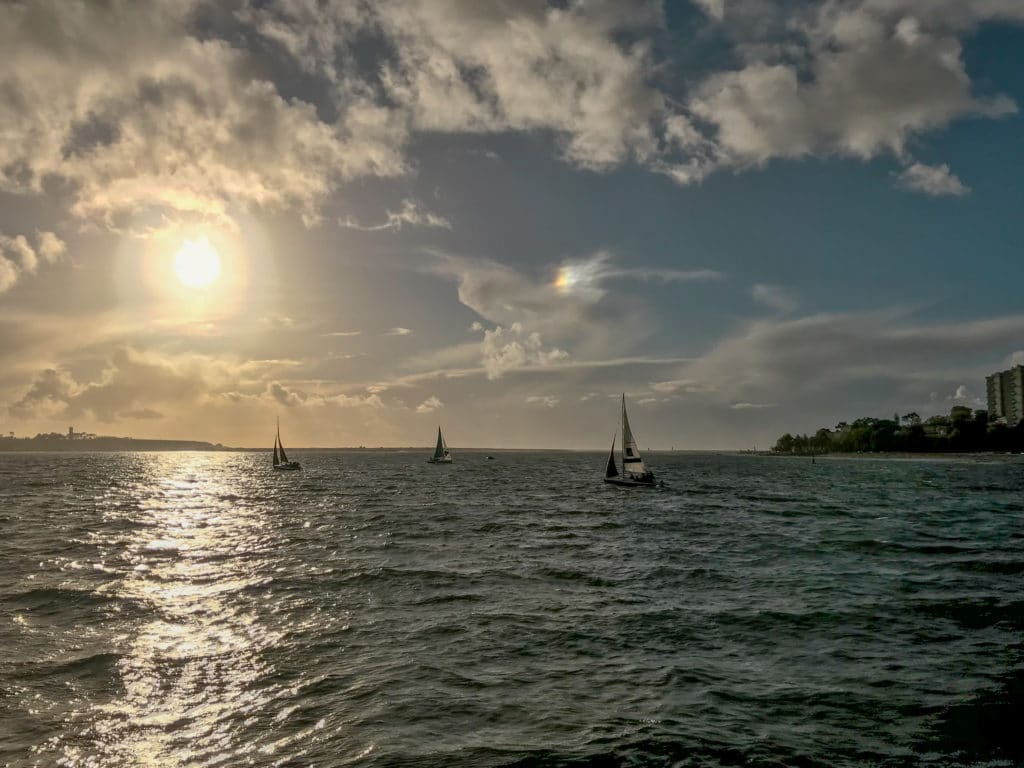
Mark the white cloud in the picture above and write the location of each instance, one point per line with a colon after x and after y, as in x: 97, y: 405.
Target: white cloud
x: 502, y: 295
x: 537, y: 322
x: 933, y: 180
x: 679, y: 385
x: 751, y: 406
x: 8, y: 273
x: 371, y: 400
x: 51, y: 247
x: 18, y: 257
x: 548, y: 401
x: 17, y: 247
x: 141, y: 117
x: 429, y: 405
x: 146, y: 118
x: 411, y: 214
x: 564, y: 306
x: 713, y: 8
x: 585, y: 276
x: 777, y: 297
x: 506, y: 349
x: 471, y: 67
x: 397, y: 332
x: 341, y: 333
x: 963, y: 395
x: 857, y: 78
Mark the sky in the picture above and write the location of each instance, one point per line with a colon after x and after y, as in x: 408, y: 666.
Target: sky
x: 372, y: 218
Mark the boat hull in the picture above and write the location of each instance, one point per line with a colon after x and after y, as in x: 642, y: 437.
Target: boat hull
x: 290, y: 466
x: 439, y: 461
x: 626, y: 483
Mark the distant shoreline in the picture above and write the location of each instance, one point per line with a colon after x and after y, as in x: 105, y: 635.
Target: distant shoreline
x: 908, y: 455
x: 102, y: 445
x: 143, y: 445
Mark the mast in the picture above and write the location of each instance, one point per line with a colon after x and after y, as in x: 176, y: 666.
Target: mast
x: 439, y: 451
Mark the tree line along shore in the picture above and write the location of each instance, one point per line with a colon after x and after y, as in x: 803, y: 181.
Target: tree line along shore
x: 962, y: 431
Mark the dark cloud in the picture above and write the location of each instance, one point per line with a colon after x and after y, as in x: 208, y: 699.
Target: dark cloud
x: 285, y: 396
x: 94, y: 132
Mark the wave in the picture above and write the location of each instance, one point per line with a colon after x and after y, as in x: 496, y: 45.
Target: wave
x: 515, y: 617
x: 98, y: 665
x: 57, y: 598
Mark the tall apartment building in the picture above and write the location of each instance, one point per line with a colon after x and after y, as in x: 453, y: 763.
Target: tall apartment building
x: 1006, y: 395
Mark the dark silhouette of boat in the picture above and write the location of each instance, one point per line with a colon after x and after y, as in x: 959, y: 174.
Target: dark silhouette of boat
x: 441, y: 453
x: 634, y: 474
x: 280, y: 457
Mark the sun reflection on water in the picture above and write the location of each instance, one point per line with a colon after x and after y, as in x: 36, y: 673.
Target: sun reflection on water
x: 197, y: 557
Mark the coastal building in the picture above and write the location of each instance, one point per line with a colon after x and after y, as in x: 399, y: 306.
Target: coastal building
x: 1006, y: 395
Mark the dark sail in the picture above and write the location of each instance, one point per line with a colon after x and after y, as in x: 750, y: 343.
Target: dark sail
x: 439, y: 450
x: 611, y: 470
x: 280, y: 457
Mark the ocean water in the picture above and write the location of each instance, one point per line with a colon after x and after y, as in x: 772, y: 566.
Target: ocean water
x: 198, y: 609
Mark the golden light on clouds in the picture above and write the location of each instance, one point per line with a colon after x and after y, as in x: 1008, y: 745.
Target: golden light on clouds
x: 197, y: 263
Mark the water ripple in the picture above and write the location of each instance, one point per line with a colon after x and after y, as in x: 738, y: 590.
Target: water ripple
x: 200, y: 610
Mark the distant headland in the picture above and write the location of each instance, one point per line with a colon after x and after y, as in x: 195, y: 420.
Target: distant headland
x: 84, y: 441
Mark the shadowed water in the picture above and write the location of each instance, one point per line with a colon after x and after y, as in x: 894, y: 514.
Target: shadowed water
x: 200, y: 609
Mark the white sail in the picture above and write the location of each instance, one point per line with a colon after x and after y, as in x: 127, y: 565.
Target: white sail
x: 632, y: 464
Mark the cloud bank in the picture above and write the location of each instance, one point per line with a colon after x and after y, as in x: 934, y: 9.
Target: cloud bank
x: 151, y: 110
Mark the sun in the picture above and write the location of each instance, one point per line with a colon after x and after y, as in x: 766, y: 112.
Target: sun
x: 197, y: 263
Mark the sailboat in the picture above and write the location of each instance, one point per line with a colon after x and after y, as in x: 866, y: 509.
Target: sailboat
x: 280, y: 457
x: 634, y: 473
x: 441, y: 453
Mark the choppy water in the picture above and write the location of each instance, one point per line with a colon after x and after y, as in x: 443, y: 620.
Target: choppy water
x: 199, y: 609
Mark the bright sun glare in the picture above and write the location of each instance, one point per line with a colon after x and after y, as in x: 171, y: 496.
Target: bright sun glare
x: 197, y: 263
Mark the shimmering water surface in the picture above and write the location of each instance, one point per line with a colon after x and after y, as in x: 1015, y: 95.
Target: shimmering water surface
x: 200, y: 609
